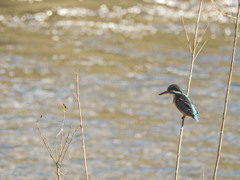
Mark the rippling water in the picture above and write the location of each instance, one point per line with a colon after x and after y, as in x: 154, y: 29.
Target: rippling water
x: 126, y: 52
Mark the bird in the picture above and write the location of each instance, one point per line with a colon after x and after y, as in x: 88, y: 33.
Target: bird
x: 182, y: 102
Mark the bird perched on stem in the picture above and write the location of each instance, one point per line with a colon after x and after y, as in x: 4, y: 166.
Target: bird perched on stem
x: 182, y: 102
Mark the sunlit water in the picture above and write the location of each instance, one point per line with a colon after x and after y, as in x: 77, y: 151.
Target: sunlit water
x: 125, y: 52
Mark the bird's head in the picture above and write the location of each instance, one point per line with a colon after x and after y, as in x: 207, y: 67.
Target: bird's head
x: 172, y: 89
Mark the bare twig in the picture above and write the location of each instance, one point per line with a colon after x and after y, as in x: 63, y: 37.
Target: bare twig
x: 81, y: 126
x: 64, y: 146
x: 58, y: 170
x: 60, y: 133
x: 59, y: 156
x: 193, y: 52
x: 194, y: 47
x: 56, y: 146
x: 45, y: 140
x: 203, y: 175
x: 68, y: 144
x: 61, y: 139
x: 186, y: 33
x: 179, y: 149
x: 205, y: 30
x: 227, y: 94
x: 220, y: 12
x: 201, y: 48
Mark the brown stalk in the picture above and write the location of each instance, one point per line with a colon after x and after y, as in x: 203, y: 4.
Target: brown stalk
x: 81, y: 126
x: 193, y: 52
x: 58, y: 156
x: 220, y: 12
x: 227, y: 95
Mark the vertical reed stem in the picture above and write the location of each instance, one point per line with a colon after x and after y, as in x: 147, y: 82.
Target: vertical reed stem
x: 58, y: 171
x: 194, y: 47
x: 179, y: 149
x: 81, y: 126
x: 188, y: 87
x: 227, y: 95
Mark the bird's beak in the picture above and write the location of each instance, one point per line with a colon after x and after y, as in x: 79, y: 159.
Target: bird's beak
x: 165, y: 92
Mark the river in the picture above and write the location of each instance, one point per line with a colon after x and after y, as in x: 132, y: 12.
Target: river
x: 126, y: 53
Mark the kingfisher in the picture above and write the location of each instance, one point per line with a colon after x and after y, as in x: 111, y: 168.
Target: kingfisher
x: 182, y: 102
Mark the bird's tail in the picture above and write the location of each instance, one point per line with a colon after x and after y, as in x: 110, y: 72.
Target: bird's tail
x: 195, y: 118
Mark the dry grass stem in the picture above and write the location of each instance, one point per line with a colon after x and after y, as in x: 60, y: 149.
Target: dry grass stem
x: 227, y: 95
x: 61, y: 132
x: 194, y: 47
x: 186, y: 33
x: 220, y: 12
x: 65, y: 143
x: 179, y: 149
x: 193, y: 52
x: 203, y: 175
x: 81, y: 126
x: 59, y: 154
x: 45, y: 140
x: 201, y: 48
x: 68, y: 143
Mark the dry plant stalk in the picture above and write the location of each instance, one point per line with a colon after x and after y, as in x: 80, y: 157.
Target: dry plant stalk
x: 59, y: 153
x: 81, y: 126
x: 227, y: 94
x: 220, y: 12
x: 203, y: 175
x: 194, y: 53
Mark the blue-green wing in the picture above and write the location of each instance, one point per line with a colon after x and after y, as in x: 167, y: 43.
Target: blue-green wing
x: 184, y: 105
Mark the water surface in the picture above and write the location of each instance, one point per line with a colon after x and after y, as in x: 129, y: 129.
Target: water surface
x: 125, y: 53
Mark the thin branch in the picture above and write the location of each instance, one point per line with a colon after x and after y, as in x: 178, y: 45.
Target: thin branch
x: 81, y: 126
x: 179, y: 149
x: 203, y: 175
x: 186, y: 33
x: 67, y: 147
x: 55, y: 142
x: 194, y: 47
x: 227, y: 95
x: 231, y: 8
x: 188, y: 87
x: 45, y: 140
x: 64, y: 146
x: 220, y: 12
x: 201, y: 48
x: 205, y: 30
x: 58, y: 171
x: 61, y: 139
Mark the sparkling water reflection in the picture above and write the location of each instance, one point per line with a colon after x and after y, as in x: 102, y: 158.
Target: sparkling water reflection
x: 126, y: 53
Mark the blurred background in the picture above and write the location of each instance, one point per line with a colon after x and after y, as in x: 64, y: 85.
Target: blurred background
x: 126, y: 53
